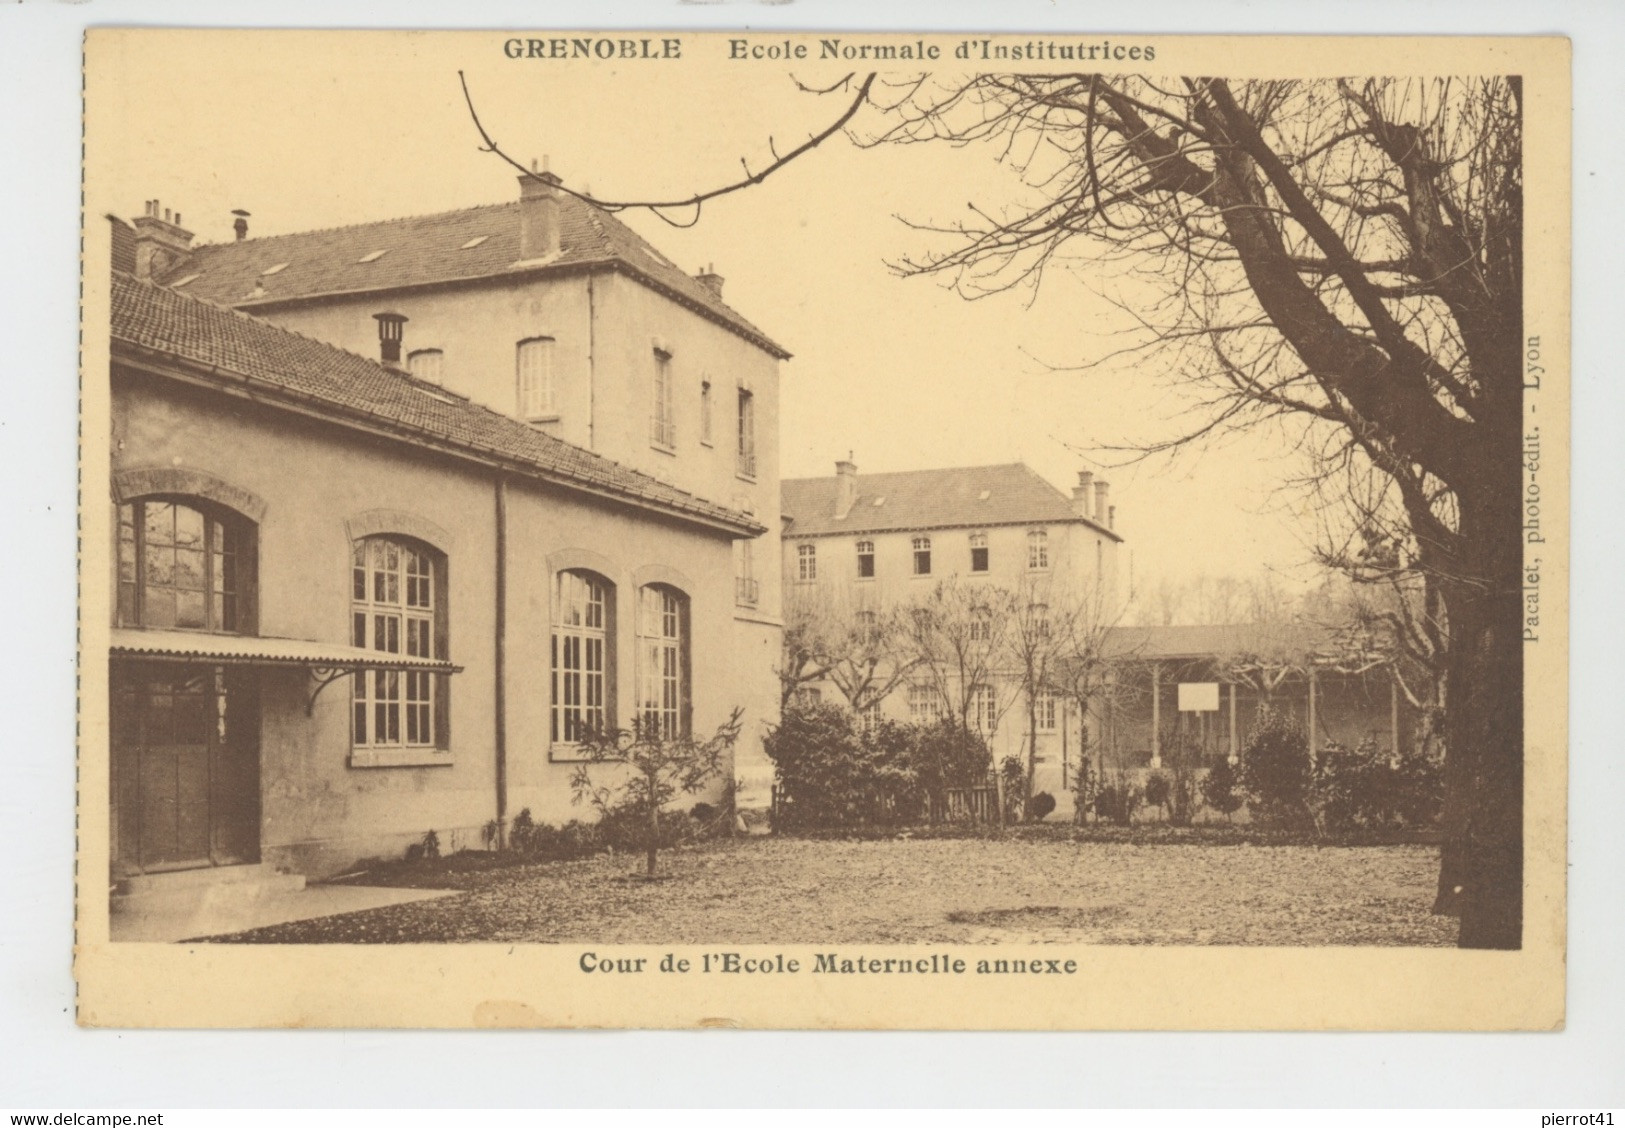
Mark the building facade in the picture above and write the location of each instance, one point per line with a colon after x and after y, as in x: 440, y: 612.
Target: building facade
x: 858, y: 544
x: 352, y: 604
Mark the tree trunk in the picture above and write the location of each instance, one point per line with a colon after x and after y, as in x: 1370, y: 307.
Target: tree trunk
x: 654, y: 830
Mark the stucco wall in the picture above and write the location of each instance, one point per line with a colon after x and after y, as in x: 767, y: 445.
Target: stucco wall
x: 320, y: 813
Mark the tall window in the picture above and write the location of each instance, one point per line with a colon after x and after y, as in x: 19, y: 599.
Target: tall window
x: 808, y: 696
x: 746, y: 461
x: 747, y: 590
x: 806, y: 563
x: 535, y: 366
x: 1038, y: 614
x: 866, y: 560
x: 923, y: 704
x: 179, y: 566
x: 705, y: 413
x: 428, y: 365
x: 984, y: 708
x: 981, y: 624
x: 662, y: 417
x: 922, y: 556
x: 583, y: 608
x: 978, y: 552
x: 1045, y: 707
x: 1038, y: 549
x: 663, y: 661
x: 393, y: 609
x: 869, y: 717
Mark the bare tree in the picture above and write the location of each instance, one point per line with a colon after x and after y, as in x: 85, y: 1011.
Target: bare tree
x: 865, y: 651
x: 1341, y: 258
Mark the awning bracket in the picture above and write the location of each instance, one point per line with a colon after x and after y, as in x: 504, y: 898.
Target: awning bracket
x: 324, y: 676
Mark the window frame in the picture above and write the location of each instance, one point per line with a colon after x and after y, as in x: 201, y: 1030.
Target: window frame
x: 420, y: 699
x: 1046, y: 711
x: 1038, y: 550
x: 745, y: 448
x: 238, y: 603
x: 547, y: 409
x: 978, y: 543
x: 663, y: 409
x: 924, y: 703
x: 866, y: 555
x: 921, y: 556
x: 664, y: 657
x: 568, y: 720
x: 707, y: 415
x: 806, y: 563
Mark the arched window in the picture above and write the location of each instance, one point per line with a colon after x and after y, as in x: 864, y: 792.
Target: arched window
x: 582, y: 656
x: 428, y: 365
x: 535, y: 374
x: 922, y: 556
x: 187, y: 565
x: 806, y: 562
x: 1038, y: 550
x: 663, y: 662
x: 398, y: 606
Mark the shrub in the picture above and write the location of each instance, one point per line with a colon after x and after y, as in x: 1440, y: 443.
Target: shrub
x: 1364, y: 789
x: 946, y: 755
x: 1275, y: 770
x: 1117, y: 800
x: 1219, y: 789
x: 1157, y: 789
x: 828, y: 775
x: 1042, y: 805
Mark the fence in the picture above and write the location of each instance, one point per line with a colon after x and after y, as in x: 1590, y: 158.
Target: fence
x: 953, y: 805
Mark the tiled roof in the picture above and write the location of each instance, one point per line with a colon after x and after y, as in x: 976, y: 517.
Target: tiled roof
x: 346, y: 386
x: 429, y: 250
x: 964, y: 497
x: 1203, y: 640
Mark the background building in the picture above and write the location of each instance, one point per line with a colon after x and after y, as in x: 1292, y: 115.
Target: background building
x: 859, y: 545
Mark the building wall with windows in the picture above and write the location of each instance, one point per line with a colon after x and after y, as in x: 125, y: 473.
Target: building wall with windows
x: 855, y: 543
x: 348, y: 535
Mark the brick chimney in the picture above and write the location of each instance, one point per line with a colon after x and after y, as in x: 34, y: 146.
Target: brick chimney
x: 538, y: 214
x: 711, y: 280
x: 161, y: 243
x: 846, y: 487
x: 1081, y: 501
x: 1101, y: 489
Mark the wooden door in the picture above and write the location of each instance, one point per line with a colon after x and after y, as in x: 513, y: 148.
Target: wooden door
x: 185, y: 763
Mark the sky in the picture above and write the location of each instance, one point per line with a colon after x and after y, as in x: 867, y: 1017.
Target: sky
x: 901, y: 372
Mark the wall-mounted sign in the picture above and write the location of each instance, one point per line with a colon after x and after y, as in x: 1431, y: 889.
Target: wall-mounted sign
x: 1198, y: 697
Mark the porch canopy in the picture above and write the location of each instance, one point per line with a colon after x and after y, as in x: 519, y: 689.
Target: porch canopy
x: 259, y: 650
x: 326, y: 661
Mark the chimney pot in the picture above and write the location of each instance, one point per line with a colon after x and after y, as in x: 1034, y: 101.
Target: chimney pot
x: 1082, y: 502
x: 1101, y: 488
x: 711, y: 280
x: 389, y: 336
x: 161, y: 243
x: 240, y: 224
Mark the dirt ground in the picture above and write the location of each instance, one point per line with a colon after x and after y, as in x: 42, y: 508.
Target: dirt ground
x: 961, y: 891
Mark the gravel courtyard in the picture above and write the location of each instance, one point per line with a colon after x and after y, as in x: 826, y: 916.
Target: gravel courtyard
x: 961, y: 891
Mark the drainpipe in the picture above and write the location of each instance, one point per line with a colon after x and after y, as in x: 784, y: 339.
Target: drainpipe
x: 592, y: 361
x: 500, y: 718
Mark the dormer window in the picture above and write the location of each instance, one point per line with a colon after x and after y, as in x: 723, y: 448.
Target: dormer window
x: 372, y: 257
x: 270, y: 270
x: 428, y: 365
x: 474, y: 242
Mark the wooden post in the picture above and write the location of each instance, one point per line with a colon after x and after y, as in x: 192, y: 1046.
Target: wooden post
x: 1393, y: 721
x: 1156, y: 715
x: 1235, y: 750
x: 1314, y: 741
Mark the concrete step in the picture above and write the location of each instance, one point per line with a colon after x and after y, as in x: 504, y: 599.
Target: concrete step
x: 214, y: 887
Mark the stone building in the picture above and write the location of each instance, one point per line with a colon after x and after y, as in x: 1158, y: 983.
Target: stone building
x: 861, y: 543
x: 356, y: 599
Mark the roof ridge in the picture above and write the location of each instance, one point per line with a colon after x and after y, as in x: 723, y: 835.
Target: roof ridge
x: 354, y: 226
x: 930, y: 470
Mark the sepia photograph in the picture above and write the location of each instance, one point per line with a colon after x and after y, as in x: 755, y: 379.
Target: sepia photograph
x: 823, y: 530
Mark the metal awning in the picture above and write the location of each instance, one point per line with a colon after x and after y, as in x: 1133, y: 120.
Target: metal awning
x: 260, y: 650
